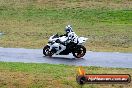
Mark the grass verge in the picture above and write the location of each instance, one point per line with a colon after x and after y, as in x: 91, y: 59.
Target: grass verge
x: 29, y: 23
x: 19, y: 75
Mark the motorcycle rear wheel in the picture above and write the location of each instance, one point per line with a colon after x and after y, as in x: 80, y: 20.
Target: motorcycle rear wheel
x: 79, y: 51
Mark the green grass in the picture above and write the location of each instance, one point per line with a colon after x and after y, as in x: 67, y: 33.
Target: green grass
x: 30, y: 23
x: 48, y: 76
x: 86, y: 15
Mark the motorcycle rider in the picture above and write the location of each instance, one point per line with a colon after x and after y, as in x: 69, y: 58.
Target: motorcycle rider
x: 71, y: 37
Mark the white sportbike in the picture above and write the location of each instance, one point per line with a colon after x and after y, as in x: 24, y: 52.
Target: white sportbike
x: 77, y: 49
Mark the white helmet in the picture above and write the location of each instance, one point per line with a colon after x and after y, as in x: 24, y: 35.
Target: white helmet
x: 68, y: 29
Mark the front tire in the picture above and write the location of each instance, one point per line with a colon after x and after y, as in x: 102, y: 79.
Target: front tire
x: 46, y: 51
x: 79, y: 51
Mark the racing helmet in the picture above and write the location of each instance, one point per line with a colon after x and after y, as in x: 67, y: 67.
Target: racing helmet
x: 68, y: 29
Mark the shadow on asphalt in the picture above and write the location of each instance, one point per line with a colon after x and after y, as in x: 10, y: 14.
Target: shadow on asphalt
x: 65, y: 58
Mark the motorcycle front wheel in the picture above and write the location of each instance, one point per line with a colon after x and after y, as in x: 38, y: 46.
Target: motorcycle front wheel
x: 46, y: 51
x: 79, y: 51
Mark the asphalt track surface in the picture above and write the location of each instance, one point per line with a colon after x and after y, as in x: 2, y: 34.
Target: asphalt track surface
x: 101, y: 59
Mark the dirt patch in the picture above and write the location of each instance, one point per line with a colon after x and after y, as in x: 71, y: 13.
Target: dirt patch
x: 14, y: 79
x: 23, y: 79
x: 94, y: 4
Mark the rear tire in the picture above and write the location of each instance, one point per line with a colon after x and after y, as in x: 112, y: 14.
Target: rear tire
x: 79, y: 51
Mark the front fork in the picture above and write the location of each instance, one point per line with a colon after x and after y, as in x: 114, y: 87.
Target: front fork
x: 49, y: 53
x: 50, y: 46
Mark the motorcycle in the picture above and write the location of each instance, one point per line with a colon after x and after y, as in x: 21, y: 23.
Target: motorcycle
x: 77, y: 49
